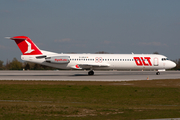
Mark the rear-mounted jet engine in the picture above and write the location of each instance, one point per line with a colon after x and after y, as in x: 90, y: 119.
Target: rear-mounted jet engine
x: 58, y: 59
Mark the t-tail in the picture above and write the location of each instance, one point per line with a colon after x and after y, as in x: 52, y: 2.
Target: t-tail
x: 26, y: 45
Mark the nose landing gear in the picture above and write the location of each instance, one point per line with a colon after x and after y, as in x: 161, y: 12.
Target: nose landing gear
x: 157, y: 73
x: 91, y: 72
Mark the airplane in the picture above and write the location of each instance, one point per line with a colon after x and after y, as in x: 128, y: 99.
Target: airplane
x: 91, y: 62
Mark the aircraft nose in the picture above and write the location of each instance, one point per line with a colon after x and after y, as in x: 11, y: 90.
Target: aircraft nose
x: 170, y: 64
x: 173, y: 64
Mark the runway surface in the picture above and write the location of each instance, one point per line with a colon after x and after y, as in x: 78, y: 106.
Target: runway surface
x: 82, y: 75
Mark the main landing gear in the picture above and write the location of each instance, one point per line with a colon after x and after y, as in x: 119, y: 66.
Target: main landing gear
x: 157, y: 73
x: 91, y: 72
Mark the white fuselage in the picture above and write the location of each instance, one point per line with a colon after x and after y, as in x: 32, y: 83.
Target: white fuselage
x: 90, y: 62
x: 106, y: 61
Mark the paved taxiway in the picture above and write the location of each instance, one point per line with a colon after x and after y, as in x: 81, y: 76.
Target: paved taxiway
x: 82, y: 75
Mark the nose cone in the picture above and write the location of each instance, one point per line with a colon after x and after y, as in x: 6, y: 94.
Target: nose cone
x: 172, y: 64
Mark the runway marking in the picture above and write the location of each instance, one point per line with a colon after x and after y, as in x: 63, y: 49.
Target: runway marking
x: 82, y: 75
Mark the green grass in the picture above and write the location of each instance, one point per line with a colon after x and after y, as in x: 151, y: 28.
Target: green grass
x: 89, y: 100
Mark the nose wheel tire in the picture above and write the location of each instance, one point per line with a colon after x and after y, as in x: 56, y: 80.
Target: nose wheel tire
x: 91, y: 72
x: 158, y: 73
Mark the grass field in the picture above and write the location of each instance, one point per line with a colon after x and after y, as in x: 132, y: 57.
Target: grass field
x: 48, y: 100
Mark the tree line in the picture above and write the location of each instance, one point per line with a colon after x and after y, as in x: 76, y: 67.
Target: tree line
x: 17, y: 65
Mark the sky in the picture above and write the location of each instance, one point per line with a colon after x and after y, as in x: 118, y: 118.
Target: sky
x: 89, y: 26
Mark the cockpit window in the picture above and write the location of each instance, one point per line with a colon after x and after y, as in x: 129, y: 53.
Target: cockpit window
x: 163, y: 59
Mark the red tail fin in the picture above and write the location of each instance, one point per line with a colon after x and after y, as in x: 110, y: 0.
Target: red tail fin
x: 26, y: 45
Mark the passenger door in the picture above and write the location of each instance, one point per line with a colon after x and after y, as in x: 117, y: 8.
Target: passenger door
x: 156, y: 61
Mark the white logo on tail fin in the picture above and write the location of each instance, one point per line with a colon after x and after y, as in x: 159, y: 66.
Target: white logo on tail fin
x: 29, y: 47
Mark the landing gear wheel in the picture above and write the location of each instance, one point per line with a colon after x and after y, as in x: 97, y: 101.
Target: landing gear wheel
x: 158, y: 73
x: 91, y: 72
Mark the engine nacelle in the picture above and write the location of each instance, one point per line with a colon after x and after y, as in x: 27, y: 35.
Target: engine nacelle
x: 58, y: 59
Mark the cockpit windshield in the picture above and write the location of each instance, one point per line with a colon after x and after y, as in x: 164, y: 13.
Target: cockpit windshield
x: 163, y: 59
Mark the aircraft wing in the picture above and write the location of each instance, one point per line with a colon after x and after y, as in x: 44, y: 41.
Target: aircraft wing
x: 86, y: 66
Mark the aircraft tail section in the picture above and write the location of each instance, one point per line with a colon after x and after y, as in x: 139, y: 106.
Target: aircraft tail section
x: 26, y: 45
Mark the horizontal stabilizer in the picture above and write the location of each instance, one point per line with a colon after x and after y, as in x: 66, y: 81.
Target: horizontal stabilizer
x: 7, y: 37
